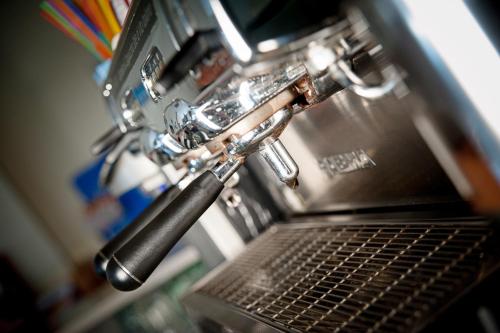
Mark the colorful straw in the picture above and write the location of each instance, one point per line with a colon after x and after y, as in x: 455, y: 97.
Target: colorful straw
x: 61, y: 23
x: 91, y: 23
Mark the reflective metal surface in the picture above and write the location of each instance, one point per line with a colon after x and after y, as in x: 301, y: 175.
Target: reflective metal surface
x: 451, y: 63
x: 395, y: 168
x: 351, y: 80
x: 234, y: 40
x: 195, y: 125
x: 252, y: 141
x: 152, y: 35
x: 280, y: 161
x: 382, y: 108
x: 108, y: 168
x: 264, y: 139
x: 150, y: 71
x: 160, y: 148
x: 224, y: 170
x: 323, y: 276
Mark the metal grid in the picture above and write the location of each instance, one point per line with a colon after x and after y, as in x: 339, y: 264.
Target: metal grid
x: 344, y: 278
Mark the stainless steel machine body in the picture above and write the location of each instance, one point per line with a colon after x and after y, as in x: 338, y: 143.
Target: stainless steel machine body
x: 358, y: 135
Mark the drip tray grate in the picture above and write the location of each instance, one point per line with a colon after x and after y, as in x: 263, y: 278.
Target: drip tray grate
x: 356, y: 277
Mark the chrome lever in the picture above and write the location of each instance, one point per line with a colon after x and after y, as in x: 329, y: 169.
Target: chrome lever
x: 109, y: 139
x: 108, y: 168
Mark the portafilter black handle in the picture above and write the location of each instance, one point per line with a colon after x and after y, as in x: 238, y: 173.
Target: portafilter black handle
x: 107, y: 140
x: 132, y: 264
x: 158, y: 205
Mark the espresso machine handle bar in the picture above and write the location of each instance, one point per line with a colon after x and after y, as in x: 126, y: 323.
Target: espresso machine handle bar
x: 159, y: 204
x: 132, y: 264
x: 107, y: 140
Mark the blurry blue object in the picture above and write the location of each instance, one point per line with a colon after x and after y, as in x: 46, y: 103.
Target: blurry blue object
x: 132, y: 202
x: 101, y: 72
x: 141, y: 94
x: 87, y: 181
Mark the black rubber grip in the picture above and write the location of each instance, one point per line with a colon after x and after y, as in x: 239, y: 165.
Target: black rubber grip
x: 132, y: 264
x: 156, y: 207
x: 107, y: 140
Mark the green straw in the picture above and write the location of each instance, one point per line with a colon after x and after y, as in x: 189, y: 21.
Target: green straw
x: 47, y: 7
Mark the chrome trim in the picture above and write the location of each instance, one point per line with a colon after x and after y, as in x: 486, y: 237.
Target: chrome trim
x: 264, y: 138
x: 255, y: 139
x: 150, y: 71
x: 280, y: 161
x: 351, y: 80
x: 131, y: 109
x: 224, y: 170
x: 159, y: 147
x: 235, y: 41
x: 195, y: 125
x: 126, y: 270
x: 108, y: 168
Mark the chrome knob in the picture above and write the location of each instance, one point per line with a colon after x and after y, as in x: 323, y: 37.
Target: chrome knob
x: 159, y: 147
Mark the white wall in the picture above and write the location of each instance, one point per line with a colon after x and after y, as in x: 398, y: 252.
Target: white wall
x: 51, y: 111
x: 27, y: 245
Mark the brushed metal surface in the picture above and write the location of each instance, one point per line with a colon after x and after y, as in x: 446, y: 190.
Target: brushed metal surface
x: 320, y: 276
x: 405, y: 172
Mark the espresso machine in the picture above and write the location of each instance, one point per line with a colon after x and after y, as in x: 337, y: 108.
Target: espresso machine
x: 337, y: 163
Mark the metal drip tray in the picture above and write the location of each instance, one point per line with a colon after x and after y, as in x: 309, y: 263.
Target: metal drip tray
x: 347, y: 277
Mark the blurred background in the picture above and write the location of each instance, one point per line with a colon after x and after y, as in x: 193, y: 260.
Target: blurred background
x: 52, y: 218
